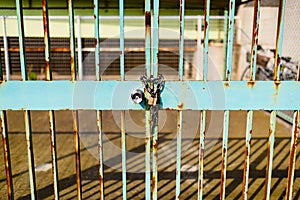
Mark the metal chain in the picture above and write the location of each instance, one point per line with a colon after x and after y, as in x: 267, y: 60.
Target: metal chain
x: 150, y: 82
x: 149, y: 85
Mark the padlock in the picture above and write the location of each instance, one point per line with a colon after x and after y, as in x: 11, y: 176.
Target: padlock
x: 137, y: 96
x: 152, y: 100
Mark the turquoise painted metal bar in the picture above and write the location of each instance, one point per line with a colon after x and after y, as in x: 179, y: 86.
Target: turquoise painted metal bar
x: 6, y: 152
x: 147, y: 112
x: 75, y: 113
x: 178, y: 157
x: 255, y: 31
x: 155, y: 108
x: 72, y: 40
x: 230, y: 40
x: 203, y: 112
x: 279, y: 39
x: 225, y: 39
x: 206, y: 37
x: 201, y: 153
x: 30, y: 154
x: 185, y: 95
x: 22, y: 45
x: 122, y: 47
x: 293, y: 148
x: 271, y: 140
x: 224, y: 153
x: 5, y: 145
x: 51, y: 112
x: 100, y: 152
x: 122, y: 70
x: 247, y: 154
x: 181, y: 39
x: 97, y: 39
x: 179, y: 114
x: 226, y: 112
x: 155, y: 39
x: 123, y: 141
x: 28, y: 133
x: 293, y: 154
x: 99, y: 112
x: 273, y: 117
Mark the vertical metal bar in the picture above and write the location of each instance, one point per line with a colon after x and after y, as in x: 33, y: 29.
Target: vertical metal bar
x: 206, y: 38
x: 247, y: 154
x: 271, y: 140
x: 97, y: 40
x: 122, y: 70
x: 226, y: 112
x: 30, y: 154
x: 230, y: 40
x: 75, y: 113
x: 6, y: 53
x: 26, y: 112
x: 255, y: 30
x: 155, y: 37
x: 201, y: 153
x: 179, y: 112
x: 79, y: 47
x: 21, y: 40
x: 178, y: 157
x: 203, y: 112
x: 224, y: 153
x: 123, y: 138
x: 154, y: 109
x: 279, y: 39
x: 72, y: 40
x: 46, y: 40
x: 122, y: 47
x: 199, y: 37
x: 293, y: 150
x: 51, y: 112
x: 293, y: 154
x: 6, y: 149
x: 181, y: 39
x: 147, y: 112
x: 225, y: 40
x: 6, y: 152
x: 100, y: 151
x: 99, y: 112
x: 148, y: 36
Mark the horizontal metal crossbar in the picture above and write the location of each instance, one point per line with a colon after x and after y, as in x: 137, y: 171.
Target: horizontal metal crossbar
x: 177, y: 95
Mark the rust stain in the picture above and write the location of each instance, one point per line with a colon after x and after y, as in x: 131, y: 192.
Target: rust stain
x: 201, y: 153
x: 101, y: 185
x: 276, y: 83
x: 292, y: 155
x: 153, y: 183
x: 251, y: 84
x: 222, y: 172
x: 95, y: 42
x: 94, y: 14
x: 148, y: 20
x: 155, y: 146
x: 180, y: 106
x: 226, y: 84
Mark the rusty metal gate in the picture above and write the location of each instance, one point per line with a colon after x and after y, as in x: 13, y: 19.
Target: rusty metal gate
x: 151, y: 93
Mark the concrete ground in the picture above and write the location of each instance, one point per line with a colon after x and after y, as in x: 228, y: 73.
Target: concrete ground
x: 135, y: 156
